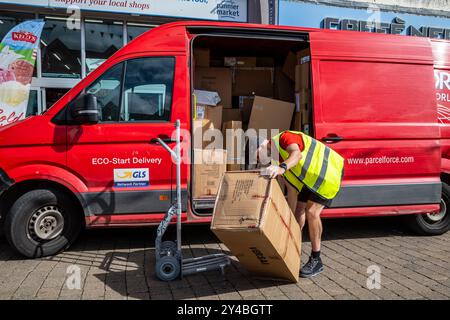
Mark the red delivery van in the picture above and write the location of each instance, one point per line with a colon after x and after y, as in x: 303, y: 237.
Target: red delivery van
x: 381, y: 101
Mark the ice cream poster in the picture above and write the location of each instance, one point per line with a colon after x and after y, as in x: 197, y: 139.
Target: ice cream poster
x: 17, y: 59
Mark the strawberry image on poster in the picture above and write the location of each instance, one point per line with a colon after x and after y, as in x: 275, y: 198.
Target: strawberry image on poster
x: 23, y: 71
x: 6, y: 75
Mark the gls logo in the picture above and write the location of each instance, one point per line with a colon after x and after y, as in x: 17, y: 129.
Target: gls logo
x: 128, y: 178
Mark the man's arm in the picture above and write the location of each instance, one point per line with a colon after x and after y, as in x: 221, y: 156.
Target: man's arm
x: 295, y: 155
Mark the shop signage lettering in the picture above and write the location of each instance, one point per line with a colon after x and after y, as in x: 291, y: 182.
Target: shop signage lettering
x: 397, y: 26
x: 225, y: 10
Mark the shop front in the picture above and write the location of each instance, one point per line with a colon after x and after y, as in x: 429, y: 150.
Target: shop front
x: 80, y: 34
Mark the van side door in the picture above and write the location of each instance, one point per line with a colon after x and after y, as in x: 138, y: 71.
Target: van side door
x: 374, y: 103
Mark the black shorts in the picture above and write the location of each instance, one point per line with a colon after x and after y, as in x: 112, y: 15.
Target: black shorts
x: 307, y: 194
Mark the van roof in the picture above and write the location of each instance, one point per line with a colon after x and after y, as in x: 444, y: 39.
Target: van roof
x: 171, y: 37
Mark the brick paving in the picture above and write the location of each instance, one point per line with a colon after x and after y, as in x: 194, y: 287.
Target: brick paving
x: 119, y: 264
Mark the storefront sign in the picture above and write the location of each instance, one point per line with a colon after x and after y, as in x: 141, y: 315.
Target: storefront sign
x: 398, y: 26
x: 223, y: 10
x: 372, y: 19
x: 17, y: 59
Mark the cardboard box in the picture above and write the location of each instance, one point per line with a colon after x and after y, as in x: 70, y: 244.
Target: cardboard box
x: 245, y: 105
x: 297, y: 122
x: 267, y: 62
x: 253, y: 219
x: 247, y: 62
x: 213, y: 113
x: 289, y: 65
x: 233, y: 137
x: 201, y: 57
x: 303, y: 97
x: 284, y: 86
x: 303, y: 56
x: 209, y: 166
x: 199, y: 127
x: 210, y: 98
x: 271, y: 114
x: 233, y: 114
x: 302, y: 80
x: 215, y: 79
x: 255, y: 81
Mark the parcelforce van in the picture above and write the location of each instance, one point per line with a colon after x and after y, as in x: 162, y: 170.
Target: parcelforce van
x: 381, y: 101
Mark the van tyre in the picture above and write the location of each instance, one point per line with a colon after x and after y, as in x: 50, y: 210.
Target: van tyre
x: 42, y: 222
x: 433, y: 223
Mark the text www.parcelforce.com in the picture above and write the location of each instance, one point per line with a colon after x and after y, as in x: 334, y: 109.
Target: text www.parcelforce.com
x: 380, y: 160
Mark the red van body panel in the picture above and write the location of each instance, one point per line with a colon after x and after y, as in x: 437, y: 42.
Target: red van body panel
x: 441, y: 55
x: 346, y: 67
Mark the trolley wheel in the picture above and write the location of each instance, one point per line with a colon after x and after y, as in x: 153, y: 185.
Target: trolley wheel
x: 168, y: 246
x: 168, y: 268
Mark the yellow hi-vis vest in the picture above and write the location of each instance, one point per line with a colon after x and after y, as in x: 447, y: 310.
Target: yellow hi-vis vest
x: 320, y: 168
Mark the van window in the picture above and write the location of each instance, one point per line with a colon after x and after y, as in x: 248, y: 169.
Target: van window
x: 147, y: 91
x: 107, y: 90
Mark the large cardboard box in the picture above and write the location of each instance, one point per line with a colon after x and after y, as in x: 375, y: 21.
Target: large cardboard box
x: 253, y: 219
x: 247, y: 62
x: 284, y: 86
x: 245, y: 105
x: 199, y: 128
x: 271, y: 114
x: 209, y: 166
x: 233, y: 114
x: 215, y: 79
x: 302, y: 79
x: 302, y: 97
x: 213, y: 113
x: 201, y: 57
x: 233, y: 137
x: 289, y: 65
x: 253, y: 81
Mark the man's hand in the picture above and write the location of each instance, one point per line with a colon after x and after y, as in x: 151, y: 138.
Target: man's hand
x: 273, y: 171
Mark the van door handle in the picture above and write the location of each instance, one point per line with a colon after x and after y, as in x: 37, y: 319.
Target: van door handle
x: 332, y: 138
x: 164, y: 139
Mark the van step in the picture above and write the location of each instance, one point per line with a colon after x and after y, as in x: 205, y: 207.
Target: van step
x: 204, y: 204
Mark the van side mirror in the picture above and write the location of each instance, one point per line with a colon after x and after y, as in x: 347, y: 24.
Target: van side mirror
x: 84, y: 109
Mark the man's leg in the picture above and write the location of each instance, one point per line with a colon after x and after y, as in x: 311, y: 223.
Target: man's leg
x: 313, y: 211
x: 314, y: 265
x: 300, y: 213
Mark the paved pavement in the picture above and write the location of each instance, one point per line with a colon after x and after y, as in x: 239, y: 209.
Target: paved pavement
x: 118, y: 264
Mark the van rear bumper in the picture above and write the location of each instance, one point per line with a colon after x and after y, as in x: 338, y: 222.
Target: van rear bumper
x: 5, y: 181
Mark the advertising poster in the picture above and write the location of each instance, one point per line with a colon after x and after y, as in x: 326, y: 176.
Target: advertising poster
x: 17, y: 60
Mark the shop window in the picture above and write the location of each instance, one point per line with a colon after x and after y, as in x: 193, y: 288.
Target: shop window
x: 32, y: 108
x: 107, y: 89
x: 60, y: 49
x: 148, y: 86
x: 135, y: 30
x: 10, y: 19
x: 103, y: 39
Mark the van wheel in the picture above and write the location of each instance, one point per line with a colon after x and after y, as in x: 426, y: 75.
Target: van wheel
x: 433, y: 223
x: 42, y: 222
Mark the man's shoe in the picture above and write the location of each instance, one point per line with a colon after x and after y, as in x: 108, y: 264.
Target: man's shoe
x: 312, y: 268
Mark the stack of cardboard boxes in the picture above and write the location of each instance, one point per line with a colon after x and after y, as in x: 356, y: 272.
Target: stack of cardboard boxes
x: 250, y: 93
x: 297, y: 67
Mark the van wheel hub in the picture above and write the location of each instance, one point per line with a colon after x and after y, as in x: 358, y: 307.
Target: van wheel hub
x: 46, y: 224
x: 437, y: 216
